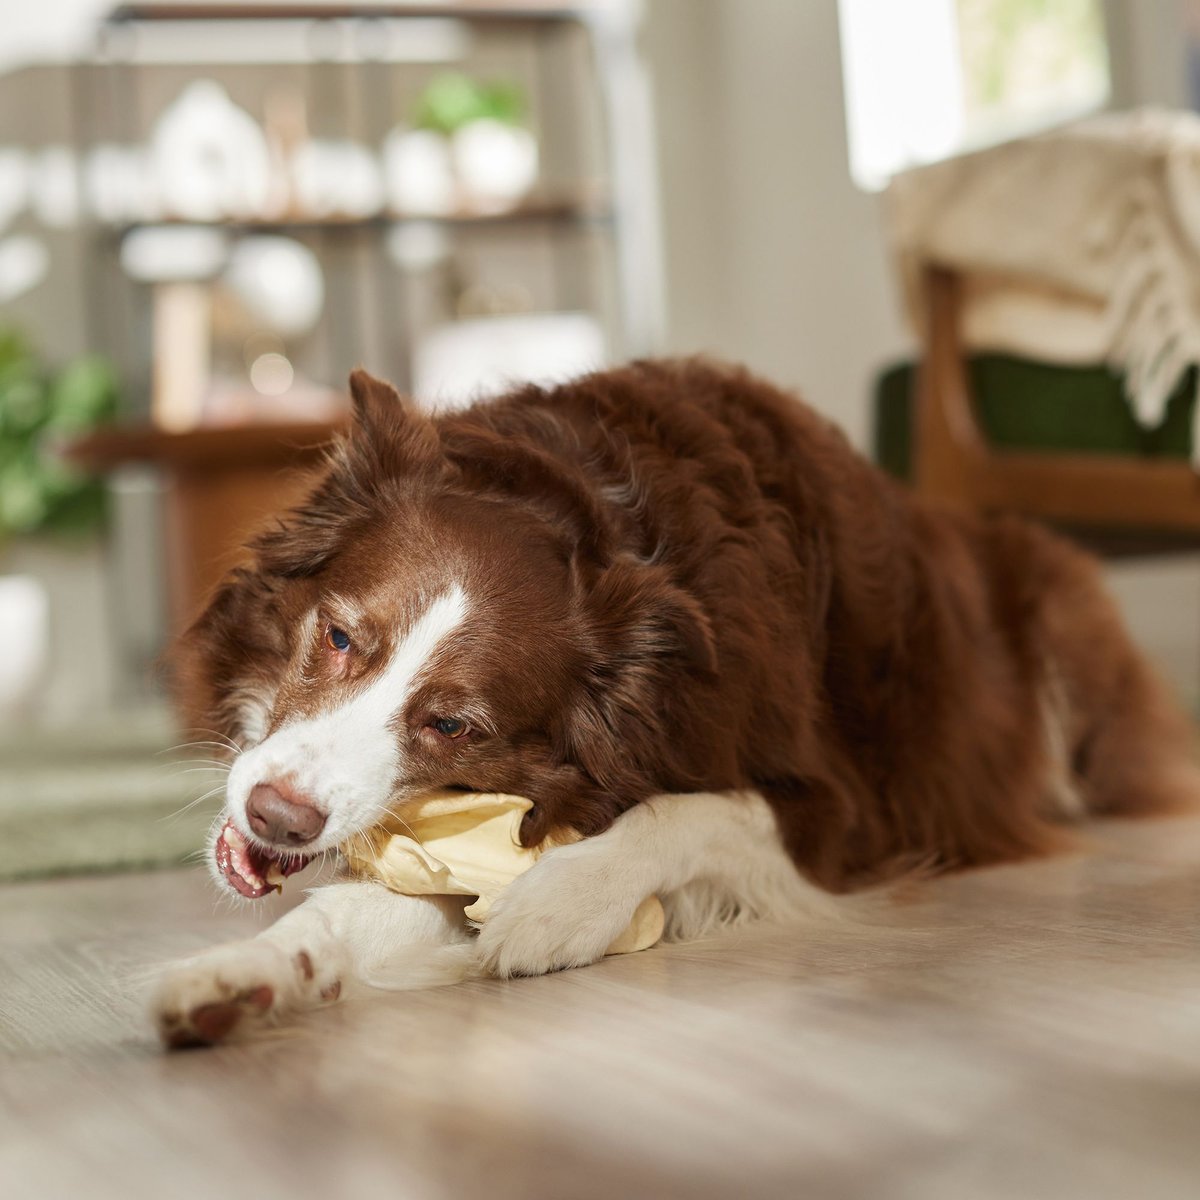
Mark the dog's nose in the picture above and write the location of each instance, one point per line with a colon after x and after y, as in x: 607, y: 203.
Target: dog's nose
x: 283, y: 816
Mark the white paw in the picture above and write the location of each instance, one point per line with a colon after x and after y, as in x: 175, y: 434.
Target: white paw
x: 235, y: 988
x: 564, y: 912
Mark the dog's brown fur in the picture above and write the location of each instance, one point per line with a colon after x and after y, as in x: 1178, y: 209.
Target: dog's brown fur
x: 689, y: 581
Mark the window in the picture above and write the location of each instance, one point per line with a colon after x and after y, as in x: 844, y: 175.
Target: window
x: 927, y: 79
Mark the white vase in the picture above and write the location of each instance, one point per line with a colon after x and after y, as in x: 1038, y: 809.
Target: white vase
x: 496, y: 164
x: 61, y: 663
x: 24, y: 614
x: 210, y: 157
x: 418, y: 173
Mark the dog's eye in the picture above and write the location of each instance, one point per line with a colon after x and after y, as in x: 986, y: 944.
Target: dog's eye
x: 337, y: 639
x: 450, y: 727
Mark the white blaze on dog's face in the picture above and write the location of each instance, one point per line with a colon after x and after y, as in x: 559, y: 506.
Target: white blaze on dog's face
x: 347, y: 758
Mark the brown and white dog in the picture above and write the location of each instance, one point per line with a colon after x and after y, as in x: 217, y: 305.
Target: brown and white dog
x: 671, y: 606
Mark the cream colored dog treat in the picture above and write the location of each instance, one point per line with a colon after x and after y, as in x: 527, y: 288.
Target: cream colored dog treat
x: 467, y: 844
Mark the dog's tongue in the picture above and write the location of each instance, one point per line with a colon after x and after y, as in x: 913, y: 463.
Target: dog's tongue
x: 251, y: 870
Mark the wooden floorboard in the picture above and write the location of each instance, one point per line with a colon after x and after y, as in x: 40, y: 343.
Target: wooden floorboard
x: 1028, y: 1031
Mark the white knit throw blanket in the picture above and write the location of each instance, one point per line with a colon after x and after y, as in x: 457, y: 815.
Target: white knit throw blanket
x: 1084, y: 244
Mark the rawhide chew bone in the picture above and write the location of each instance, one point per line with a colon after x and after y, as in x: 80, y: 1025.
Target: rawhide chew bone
x: 467, y: 844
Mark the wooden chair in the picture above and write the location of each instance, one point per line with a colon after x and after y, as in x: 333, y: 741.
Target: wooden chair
x: 1117, y: 504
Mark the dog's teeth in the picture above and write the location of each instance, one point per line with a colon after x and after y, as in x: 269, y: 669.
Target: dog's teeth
x: 234, y: 838
x: 275, y: 876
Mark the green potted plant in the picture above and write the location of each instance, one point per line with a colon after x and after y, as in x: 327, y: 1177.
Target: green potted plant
x: 51, y: 585
x: 469, y: 147
x: 40, y: 492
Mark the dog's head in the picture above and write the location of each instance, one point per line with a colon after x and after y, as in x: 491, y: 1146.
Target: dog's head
x: 447, y: 609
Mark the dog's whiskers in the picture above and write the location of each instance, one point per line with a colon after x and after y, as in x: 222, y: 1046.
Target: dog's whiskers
x: 225, y: 745
x: 173, y: 816
x: 204, y: 765
x: 391, y: 812
x: 222, y: 737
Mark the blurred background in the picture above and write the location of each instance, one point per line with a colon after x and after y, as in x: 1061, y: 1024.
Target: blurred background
x: 211, y: 212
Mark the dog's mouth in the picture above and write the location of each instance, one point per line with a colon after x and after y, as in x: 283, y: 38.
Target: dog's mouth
x: 253, y: 871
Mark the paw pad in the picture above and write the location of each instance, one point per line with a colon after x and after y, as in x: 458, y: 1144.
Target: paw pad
x: 209, y: 1023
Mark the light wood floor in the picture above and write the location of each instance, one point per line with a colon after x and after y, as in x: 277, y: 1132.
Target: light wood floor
x: 1031, y: 1031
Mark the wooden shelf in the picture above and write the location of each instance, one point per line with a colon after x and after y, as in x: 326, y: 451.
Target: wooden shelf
x: 205, y: 447
x: 527, y: 12
x: 534, y: 212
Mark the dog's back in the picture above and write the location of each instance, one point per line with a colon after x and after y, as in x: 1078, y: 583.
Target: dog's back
x: 908, y: 686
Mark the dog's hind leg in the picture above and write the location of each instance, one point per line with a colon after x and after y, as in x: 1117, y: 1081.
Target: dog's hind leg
x: 343, y: 934
x: 1138, y: 754
x: 1129, y: 747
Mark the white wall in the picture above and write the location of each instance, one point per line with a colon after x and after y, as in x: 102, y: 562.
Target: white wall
x: 1147, y: 51
x: 775, y: 258
x: 1161, y: 599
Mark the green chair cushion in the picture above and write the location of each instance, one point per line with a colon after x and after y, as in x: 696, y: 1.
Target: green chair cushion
x: 1037, y: 406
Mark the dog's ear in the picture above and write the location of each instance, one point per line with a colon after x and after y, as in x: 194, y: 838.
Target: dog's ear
x: 389, y: 441
x: 391, y: 437
x: 643, y: 620
x: 488, y: 461
x: 223, y: 669
x: 648, y: 645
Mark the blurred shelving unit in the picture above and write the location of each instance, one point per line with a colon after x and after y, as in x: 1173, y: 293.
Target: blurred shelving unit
x: 592, y: 217
x: 581, y: 243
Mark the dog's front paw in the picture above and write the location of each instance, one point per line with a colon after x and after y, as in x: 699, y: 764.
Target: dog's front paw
x: 234, y: 989
x: 564, y: 912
